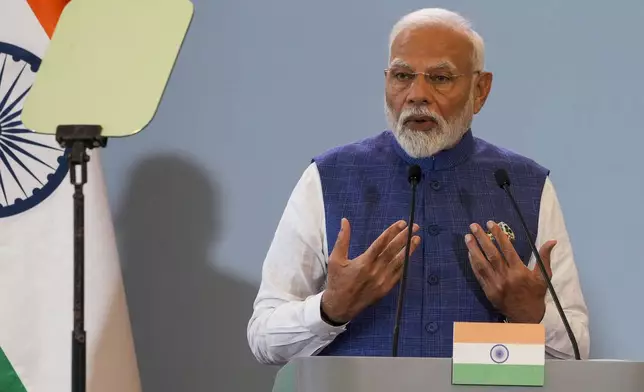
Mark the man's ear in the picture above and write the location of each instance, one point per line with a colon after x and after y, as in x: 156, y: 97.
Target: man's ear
x: 482, y: 90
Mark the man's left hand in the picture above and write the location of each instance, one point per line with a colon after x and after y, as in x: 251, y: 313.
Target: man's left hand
x: 511, y: 287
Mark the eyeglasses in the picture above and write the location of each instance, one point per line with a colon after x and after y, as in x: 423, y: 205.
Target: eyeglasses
x: 442, y: 81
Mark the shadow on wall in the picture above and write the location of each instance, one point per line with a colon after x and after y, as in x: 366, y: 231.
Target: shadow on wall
x: 189, y: 321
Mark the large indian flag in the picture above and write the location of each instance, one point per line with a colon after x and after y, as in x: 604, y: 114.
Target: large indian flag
x: 36, y: 237
x: 498, y: 354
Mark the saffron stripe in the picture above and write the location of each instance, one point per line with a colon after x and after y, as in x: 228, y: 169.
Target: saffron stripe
x: 499, y: 333
x: 516, y: 375
x: 48, y: 12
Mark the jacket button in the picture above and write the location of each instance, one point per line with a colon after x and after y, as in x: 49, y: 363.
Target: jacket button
x: 432, y: 279
x: 435, y: 185
x: 431, y: 327
x: 434, y: 230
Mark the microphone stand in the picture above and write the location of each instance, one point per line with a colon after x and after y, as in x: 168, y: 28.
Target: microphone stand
x: 77, y: 139
x: 544, y: 273
x: 403, y: 280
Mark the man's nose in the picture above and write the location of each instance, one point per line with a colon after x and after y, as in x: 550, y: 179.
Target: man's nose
x: 420, y: 92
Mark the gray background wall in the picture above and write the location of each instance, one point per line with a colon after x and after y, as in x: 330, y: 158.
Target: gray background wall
x: 261, y: 86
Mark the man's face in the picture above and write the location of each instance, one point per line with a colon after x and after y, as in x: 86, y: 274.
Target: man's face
x: 429, y: 113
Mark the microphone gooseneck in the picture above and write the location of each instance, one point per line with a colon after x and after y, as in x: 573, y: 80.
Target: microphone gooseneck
x: 414, y: 176
x: 503, y: 181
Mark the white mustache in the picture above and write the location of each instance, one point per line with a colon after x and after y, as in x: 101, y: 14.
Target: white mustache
x: 419, y: 111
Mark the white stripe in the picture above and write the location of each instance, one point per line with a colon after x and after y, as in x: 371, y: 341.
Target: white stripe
x: 36, y: 256
x: 21, y: 27
x: 518, y: 354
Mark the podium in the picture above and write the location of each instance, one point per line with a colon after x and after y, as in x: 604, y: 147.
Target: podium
x: 386, y: 374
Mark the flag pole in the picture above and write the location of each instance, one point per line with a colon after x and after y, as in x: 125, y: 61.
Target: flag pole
x: 79, y: 138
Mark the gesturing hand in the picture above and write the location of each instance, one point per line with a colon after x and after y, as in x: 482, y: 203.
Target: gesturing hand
x: 510, y: 286
x: 355, y: 284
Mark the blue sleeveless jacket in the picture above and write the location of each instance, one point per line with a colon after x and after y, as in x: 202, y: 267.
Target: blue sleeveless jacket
x: 366, y: 182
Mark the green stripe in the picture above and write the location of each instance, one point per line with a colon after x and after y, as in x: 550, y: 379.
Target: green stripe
x: 9, y: 380
x: 493, y: 374
x: 285, y: 379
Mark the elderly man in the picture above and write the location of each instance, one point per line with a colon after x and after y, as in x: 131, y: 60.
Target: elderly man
x: 329, y: 278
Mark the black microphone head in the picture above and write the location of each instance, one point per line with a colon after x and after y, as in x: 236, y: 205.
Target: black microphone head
x: 502, y: 178
x: 414, y: 173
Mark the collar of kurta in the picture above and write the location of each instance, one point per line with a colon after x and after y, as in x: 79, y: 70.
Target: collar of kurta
x: 443, y: 160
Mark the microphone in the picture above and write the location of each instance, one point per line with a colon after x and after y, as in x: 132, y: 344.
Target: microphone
x: 414, y: 175
x: 503, y: 181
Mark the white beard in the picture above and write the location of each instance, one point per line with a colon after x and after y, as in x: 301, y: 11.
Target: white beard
x: 445, y: 135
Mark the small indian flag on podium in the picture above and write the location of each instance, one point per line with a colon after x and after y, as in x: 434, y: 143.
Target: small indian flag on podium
x: 498, y: 354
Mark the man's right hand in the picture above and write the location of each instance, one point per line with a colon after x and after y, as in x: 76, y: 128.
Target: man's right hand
x: 352, y: 285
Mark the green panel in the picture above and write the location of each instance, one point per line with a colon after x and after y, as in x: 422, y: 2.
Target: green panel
x: 285, y: 379
x: 9, y: 380
x: 107, y: 64
x: 494, y: 374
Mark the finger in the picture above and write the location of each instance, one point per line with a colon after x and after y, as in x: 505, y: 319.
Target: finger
x: 399, y: 259
x: 481, y: 276
x: 379, y: 245
x: 490, y: 250
x: 341, y: 247
x: 482, y: 269
x: 546, y: 253
x: 509, y: 253
x: 396, y: 245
